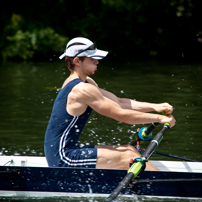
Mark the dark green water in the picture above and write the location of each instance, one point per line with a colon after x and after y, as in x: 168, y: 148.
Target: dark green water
x: 28, y: 90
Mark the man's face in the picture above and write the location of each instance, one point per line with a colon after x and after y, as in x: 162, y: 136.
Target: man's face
x: 89, y: 66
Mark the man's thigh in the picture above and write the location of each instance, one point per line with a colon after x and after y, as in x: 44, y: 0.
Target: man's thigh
x: 117, y: 157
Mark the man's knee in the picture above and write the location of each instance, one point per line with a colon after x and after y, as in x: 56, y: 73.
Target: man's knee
x: 130, y: 147
x: 131, y: 152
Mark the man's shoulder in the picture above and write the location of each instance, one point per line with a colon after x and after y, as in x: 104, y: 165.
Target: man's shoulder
x: 83, y: 90
x: 91, y: 81
x: 88, y: 86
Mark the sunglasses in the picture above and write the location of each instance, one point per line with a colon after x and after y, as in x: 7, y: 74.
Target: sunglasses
x: 92, y: 47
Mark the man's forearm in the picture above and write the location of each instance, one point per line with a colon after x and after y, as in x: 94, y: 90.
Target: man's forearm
x: 136, y: 105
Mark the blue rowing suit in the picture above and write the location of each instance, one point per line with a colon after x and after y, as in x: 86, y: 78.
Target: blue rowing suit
x: 62, y: 135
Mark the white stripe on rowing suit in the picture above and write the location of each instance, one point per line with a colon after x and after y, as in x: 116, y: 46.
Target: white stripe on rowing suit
x: 62, y: 147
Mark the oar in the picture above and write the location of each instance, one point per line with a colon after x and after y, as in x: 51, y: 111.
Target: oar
x: 136, y: 168
x: 176, y: 156
x: 145, y: 133
x: 137, y: 181
x: 151, y: 128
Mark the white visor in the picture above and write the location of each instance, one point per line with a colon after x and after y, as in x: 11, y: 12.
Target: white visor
x: 76, y: 48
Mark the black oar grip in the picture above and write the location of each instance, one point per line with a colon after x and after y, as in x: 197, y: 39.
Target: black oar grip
x: 145, y: 133
x: 151, y: 128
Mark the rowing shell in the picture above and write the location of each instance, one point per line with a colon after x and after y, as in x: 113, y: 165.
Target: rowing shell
x: 30, y: 176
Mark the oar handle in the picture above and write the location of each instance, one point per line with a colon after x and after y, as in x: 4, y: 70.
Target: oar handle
x: 151, y: 128
x: 145, y: 133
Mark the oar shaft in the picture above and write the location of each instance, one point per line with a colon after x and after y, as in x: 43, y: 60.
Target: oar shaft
x: 166, y: 180
x: 155, y: 142
x: 136, y: 167
x: 124, y: 183
x: 176, y: 156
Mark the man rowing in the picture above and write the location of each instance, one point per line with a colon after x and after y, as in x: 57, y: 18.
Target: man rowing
x: 80, y: 95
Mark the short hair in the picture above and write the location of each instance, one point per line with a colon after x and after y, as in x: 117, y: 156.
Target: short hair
x: 69, y: 61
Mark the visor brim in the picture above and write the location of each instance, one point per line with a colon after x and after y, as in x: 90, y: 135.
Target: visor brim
x: 99, y: 54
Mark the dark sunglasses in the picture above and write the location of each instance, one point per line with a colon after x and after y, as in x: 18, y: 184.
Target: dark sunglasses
x: 92, y: 47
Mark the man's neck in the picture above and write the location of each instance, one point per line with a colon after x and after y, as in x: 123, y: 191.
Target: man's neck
x: 75, y: 75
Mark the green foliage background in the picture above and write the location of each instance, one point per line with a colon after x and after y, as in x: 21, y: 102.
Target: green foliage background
x: 127, y: 28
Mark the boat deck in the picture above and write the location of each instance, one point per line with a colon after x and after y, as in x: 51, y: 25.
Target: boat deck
x: 36, y: 161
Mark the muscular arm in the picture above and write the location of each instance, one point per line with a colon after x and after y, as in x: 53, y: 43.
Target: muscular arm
x: 109, y: 105
x: 136, y: 105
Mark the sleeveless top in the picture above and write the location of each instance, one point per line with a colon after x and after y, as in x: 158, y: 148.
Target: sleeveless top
x: 63, y: 130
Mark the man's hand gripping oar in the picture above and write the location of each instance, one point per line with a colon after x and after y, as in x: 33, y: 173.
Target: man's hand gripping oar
x: 139, y: 164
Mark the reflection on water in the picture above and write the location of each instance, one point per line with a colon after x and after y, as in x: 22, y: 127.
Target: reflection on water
x: 28, y: 91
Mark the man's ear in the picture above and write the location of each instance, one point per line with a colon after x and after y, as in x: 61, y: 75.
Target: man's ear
x: 76, y: 61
